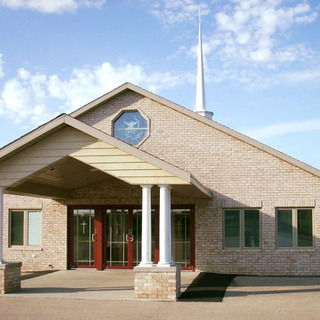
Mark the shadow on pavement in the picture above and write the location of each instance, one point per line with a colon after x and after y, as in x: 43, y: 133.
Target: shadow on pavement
x: 207, y: 287
x: 33, y: 274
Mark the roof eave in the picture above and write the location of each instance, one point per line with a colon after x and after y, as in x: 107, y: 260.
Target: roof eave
x: 32, y: 137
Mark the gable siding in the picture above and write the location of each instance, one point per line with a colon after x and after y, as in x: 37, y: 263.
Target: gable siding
x: 42, y: 154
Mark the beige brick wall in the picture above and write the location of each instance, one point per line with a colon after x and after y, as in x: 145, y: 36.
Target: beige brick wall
x: 52, y: 254
x: 238, y: 174
x: 10, y: 277
x: 157, y: 283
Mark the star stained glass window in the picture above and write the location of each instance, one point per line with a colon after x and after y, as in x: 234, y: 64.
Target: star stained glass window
x: 130, y: 127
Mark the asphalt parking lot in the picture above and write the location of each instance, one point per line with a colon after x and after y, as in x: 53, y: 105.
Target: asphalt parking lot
x: 90, y: 295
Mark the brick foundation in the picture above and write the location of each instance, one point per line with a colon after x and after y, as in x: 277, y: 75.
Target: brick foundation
x: 157, y: 283
x: 10, y: 277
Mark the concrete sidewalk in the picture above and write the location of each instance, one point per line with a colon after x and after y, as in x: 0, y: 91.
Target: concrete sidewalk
x: 86, y: 294
x: 86, y: 284
x: 118, y: 285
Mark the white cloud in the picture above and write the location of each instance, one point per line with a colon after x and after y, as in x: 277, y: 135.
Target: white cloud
x: 51, y: 6
x: 252, y: 41
x: 254, y: 30
x: 1, y: 66
x: 283, y: 128
x: 175, y: 11
x: 25, y: 97
x: 287, y: 78
x: 36, y: 98
x: 309, y: 75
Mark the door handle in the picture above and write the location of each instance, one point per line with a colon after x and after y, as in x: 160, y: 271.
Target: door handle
x: 129, y: 237
x: 93, y: 236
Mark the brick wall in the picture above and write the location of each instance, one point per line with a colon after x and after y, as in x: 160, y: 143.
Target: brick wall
x: 238, y: 174
x: 52, y: 254
x: 10, y: 275
x: 157, y: 283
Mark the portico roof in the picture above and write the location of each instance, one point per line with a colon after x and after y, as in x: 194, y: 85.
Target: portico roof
x: 66, y: 154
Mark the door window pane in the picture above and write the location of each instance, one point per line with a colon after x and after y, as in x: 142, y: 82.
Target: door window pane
x: 252, y: 228
x: 83, y: 237
x: 17, y: 218
x: 180, y: 235
x: 122, y: 252
x: 285, y: 235
x: 232, y: 228
x: 34, y: 228
x: 117, y: 230
x: 304, y: 228
x: 137, y: 225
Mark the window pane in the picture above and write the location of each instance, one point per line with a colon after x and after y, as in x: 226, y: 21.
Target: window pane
x: 117, y: 248
x: 180, y: 221
x: 16, y: 228
x: 305, y: 238
x: 131, y: 127
x: 284, y: 228
x: 232, y: 229
x: 34, y: 228
x: 251, y: 228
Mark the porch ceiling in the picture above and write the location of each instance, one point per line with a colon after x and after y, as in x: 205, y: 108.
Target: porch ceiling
x: 59, y: 179
x: 77, y: 155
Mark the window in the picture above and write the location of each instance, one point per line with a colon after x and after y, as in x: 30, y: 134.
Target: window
x: 25, y: 228
x: 130, y: 127
x: 294, y: 228
x: 181, y: 236
x: 242, y: 228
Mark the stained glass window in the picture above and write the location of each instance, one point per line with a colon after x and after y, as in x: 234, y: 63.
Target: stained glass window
x: 131, y: 127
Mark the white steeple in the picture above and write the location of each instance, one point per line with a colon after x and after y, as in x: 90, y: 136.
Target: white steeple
x: 200, y: 107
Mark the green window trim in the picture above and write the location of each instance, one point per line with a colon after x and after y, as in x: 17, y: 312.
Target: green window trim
x: 242, y: 229
x: 25, y: 228
x: 294, y: 228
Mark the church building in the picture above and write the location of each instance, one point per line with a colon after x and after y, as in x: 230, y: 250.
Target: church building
x: 134, y: 180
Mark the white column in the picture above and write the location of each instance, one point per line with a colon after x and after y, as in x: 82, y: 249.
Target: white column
x: 1, y: 225
x: 146, y: 227
x: 165, y: 227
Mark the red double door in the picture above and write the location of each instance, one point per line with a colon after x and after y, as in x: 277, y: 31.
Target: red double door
x: 110, y: 237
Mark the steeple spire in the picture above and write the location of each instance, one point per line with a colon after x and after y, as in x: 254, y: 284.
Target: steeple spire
x: 200, y: 107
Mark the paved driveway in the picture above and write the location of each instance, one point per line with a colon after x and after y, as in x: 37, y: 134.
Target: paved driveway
x: 246, y: 298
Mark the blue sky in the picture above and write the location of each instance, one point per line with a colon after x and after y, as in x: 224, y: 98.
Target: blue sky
x: 262, y: 62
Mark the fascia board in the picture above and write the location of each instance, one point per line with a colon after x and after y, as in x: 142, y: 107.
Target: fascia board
x: 31, y: 138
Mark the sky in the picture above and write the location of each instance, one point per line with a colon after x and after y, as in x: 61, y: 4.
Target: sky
x: 262, y: 62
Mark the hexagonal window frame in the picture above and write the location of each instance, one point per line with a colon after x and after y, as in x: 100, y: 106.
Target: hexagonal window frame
x: 132, y: 127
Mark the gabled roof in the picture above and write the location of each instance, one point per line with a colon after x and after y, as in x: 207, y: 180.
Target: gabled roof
x: 237, y: 135
x: 93, y: 148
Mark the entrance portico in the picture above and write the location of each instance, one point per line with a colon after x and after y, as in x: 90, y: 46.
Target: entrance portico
x: 66, y: 154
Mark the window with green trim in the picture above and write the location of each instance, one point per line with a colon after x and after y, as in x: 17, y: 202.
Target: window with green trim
x: 295, y: 228
x: 241, y: 228
x: 25, y: 228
